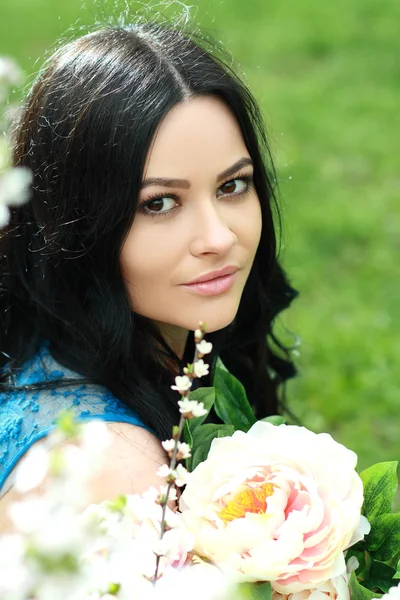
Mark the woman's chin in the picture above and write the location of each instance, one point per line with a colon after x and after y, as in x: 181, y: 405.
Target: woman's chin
x: 214, y: 322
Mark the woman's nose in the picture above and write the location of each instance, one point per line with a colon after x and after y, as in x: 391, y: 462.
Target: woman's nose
x: 211, y: 233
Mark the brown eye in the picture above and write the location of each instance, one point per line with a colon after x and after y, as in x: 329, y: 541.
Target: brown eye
x: 235, y: 186
x: 160, y: 205
x: 156, y: 205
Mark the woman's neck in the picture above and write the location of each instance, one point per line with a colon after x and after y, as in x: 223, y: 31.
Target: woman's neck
x: 176, y: 337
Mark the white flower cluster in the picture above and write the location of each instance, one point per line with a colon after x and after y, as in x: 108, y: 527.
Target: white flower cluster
x: 191, y: 408
x: 183, y: 449
x: 14, y: 182
x: 178, y: 476
x: 62, y: 548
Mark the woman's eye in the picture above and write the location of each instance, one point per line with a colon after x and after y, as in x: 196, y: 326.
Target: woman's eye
x: 235, y: 186
x: 160, y: 205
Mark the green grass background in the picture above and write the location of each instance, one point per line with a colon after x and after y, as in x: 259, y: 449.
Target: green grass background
x: 327, y: 75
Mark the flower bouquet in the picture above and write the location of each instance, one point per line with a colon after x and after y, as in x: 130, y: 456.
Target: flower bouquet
x: 275, y: 503
x: 268, y: 511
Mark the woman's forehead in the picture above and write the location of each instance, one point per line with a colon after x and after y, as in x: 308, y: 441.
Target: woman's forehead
x: 199, y: 134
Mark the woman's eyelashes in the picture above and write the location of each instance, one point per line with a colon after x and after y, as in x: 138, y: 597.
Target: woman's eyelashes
x: 160, y: 205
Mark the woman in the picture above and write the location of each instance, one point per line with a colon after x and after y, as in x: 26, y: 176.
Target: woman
x: 151, y: 209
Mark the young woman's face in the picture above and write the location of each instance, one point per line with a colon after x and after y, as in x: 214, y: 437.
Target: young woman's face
x: 198, y: 217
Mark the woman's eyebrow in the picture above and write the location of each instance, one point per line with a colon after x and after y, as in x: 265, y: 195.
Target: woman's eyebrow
x: 185, y: 184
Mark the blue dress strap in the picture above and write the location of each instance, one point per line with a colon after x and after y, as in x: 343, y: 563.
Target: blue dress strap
x: 29, y: 415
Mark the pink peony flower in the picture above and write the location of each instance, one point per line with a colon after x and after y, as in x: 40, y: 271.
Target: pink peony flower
x: 278, y: 504
x: 333, y: 589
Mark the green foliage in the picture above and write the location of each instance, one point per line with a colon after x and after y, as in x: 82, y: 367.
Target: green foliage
x: 205, y: 395
x: 114, y: 589
x: 255, y: 591
x: 380, y: 577
x: 66, y: 562
x: 118, y: 504
x: 379, y: 552
x: 199, y: 435
x: 358, y: 591
x: 67, y: 424
x: 231, y: 404
x: 384, y: 539
x: 229, y: 400
x: 202, y: 440
x: 380, y: 486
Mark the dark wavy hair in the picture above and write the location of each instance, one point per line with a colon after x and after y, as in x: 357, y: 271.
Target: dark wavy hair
x: 85, y: 132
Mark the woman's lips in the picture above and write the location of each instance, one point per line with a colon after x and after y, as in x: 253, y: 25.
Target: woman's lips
x: 212, y: 287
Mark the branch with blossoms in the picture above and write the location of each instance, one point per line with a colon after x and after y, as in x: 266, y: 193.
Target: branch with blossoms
x: 176, y: 474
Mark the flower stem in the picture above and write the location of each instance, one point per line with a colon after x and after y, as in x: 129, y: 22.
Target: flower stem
x: 173, y: 462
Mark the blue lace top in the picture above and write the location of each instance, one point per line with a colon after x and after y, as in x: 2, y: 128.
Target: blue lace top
x: 26, y: 416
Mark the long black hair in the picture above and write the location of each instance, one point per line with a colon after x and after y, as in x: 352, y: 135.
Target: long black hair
x: 85, y: 132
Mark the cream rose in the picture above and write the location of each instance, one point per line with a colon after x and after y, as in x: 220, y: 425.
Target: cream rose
x: 278, y: 504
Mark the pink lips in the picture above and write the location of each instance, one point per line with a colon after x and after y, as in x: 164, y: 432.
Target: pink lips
x: 213, y: 283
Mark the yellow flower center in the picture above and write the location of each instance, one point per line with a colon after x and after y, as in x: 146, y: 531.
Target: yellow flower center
x: 250, y: 500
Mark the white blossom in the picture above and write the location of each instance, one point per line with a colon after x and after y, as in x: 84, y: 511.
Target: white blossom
x: 200, y: 368
x: 150, y: 495
x: 14, y: 185
x: 204, y: 347
x: 4, y: 215
x: 182, y: 475
x: 172, y: 494
x: 175, y: 544
x: 182, y: 384
x: 183, y: 450
x: 15, y: 579
x: 95, y: 437
x: 33, y: 469
x: 168, y: 445
x: 201, y: 581
x: 191, y: 408
x: 164, y: 471
x: 179, y: 475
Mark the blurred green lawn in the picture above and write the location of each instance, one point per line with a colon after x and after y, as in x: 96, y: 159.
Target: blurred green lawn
x: 328, y: 79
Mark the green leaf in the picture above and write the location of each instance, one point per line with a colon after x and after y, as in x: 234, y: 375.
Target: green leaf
x: 206, y: 395
x: 231, y: 404
x: 255, y: 591
x: 203, y: 437
x: 384, y: 538
x: 397, y: 574
x: 380, y: 577
x: 67, y: 424
x: 274, y: 420
x: 114, y: 588
x: 380, y: 485
x: 118, y: 504
x: 360, y: 555
x: 358, y: 591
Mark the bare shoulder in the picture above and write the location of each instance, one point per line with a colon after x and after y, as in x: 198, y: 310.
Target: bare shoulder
x: 129, y: 467
x: 130, y: 463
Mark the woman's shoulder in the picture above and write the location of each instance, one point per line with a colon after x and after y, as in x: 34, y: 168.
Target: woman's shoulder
x: 28, y: 414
